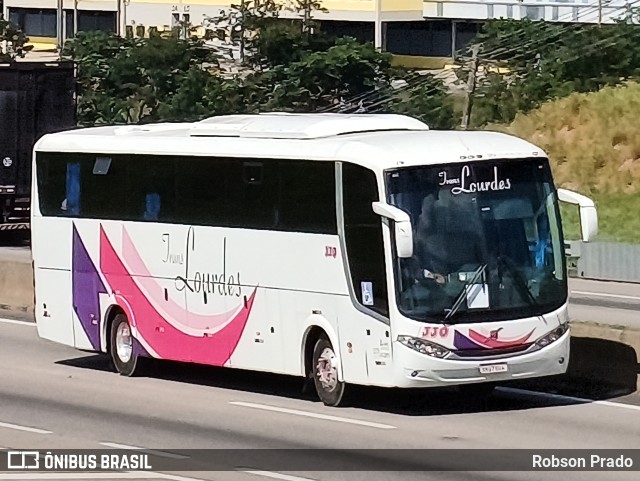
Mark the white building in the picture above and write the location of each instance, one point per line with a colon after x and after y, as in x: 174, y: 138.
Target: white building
x: 417, y: 28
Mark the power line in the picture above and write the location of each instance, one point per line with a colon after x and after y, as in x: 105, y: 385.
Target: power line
x: 499, y: 50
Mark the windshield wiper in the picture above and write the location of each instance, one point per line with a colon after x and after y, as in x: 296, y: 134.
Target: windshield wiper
x: 517, y: 276
x: 460, y: 299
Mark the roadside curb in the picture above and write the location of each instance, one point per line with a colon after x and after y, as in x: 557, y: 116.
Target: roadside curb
x: 623, y: 334
x: 21, y: 310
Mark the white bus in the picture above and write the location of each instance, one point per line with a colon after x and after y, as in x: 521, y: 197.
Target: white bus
x: 347, y: 249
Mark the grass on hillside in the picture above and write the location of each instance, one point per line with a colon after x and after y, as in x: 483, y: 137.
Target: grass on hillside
x: 618, y: 218
x: 593, y: 142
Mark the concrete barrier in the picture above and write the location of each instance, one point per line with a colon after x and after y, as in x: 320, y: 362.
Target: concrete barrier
x: 16, y: 283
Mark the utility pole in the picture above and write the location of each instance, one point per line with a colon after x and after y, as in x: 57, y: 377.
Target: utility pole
x: 378, y: 25
x: 600, y: 13
x: 471, y: 86
x: 119, y: 18
x: 60, y: 27
x: 243, y: 19
x: 75, y: 17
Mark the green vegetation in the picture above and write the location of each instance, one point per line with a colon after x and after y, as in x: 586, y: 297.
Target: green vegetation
x: 12, y: 41
x: 284, y: 65
x: 594, y: 146
x: 550, y: 60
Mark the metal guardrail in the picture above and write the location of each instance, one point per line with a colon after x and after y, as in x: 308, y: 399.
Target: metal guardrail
x: 609, y: 261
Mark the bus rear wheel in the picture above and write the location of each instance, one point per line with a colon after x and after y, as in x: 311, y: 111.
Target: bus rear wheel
x: 123, y: 354
x: 325, y: 374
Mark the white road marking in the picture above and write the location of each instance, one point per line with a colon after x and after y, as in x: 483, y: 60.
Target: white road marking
x: 18, y: 323
x: 561, y: 397
x: 602, y: 294
x: 174, y: 477
x: 272, y: 475
x: 27, y: 429
x: 161, y: 454
x: 308, y: 414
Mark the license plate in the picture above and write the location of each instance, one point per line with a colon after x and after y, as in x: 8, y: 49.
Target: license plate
x: 494, y: 368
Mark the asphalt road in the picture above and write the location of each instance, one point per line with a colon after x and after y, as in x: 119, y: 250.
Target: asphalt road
x: 613, y: 303
x: 54, y: 397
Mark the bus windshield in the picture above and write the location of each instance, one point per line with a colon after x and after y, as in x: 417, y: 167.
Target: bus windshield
x: 487, y: 241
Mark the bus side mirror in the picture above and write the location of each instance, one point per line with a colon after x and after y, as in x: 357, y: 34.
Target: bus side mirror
x: 588, y: 213
x: 402, y: 227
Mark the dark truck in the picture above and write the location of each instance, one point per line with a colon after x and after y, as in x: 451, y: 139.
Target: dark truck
x: 36, y: 98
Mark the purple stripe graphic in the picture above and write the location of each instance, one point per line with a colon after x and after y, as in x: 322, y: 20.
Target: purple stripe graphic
x: 462, y: 342
x: 86, y: 287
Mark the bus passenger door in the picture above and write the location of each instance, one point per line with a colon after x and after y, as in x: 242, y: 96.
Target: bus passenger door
x: 364, y: 243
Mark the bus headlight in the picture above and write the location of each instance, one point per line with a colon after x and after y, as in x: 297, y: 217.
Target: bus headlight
x: 423, y: 347
x: 553, y: 336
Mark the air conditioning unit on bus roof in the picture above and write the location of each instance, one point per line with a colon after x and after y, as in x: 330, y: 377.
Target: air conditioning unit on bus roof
x: 283, y: 125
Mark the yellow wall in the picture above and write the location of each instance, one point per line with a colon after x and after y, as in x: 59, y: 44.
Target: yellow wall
x: 369, y: 5
x: 331, y: 5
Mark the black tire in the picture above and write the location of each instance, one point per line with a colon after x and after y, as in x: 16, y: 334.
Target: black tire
x: 126, y: 365
x: 329, y: 389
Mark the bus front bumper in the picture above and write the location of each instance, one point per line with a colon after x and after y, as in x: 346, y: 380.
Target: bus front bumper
x: 419, y: 370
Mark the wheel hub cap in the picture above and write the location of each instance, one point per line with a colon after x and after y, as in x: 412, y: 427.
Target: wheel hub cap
x: 326, y: 370
x: 124, y: 343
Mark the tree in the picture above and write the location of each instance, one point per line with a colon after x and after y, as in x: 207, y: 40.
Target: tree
x: 13, y: 41
x: 426, y: 99
x: 320, y: 79
x: 306, y: 8
x: 243, y: 22
x: 130, y: 80
x: 126, y: 80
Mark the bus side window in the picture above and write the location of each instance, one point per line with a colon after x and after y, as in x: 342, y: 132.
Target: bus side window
x: 151, y: 183
x: 363, y: 238
x: 52, y: 177
x: 308, y: 197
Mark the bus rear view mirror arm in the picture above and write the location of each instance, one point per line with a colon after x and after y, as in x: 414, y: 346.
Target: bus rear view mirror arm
x: 588, y: 213
x: 402, y: 227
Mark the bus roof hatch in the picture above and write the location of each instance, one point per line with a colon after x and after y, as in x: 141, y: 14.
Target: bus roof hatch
x: 301, y: 126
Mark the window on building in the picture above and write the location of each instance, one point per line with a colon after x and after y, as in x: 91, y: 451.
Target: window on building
x: 534, y: 13
x: 421, y: 38
x: 91, y: 20
x: 35, y: 22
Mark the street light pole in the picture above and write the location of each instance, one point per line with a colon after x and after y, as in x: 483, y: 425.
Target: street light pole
x: 378, y: 25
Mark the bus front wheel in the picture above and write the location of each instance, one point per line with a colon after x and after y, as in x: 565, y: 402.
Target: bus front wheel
x: 325, y: 374
x: 123, y: 354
